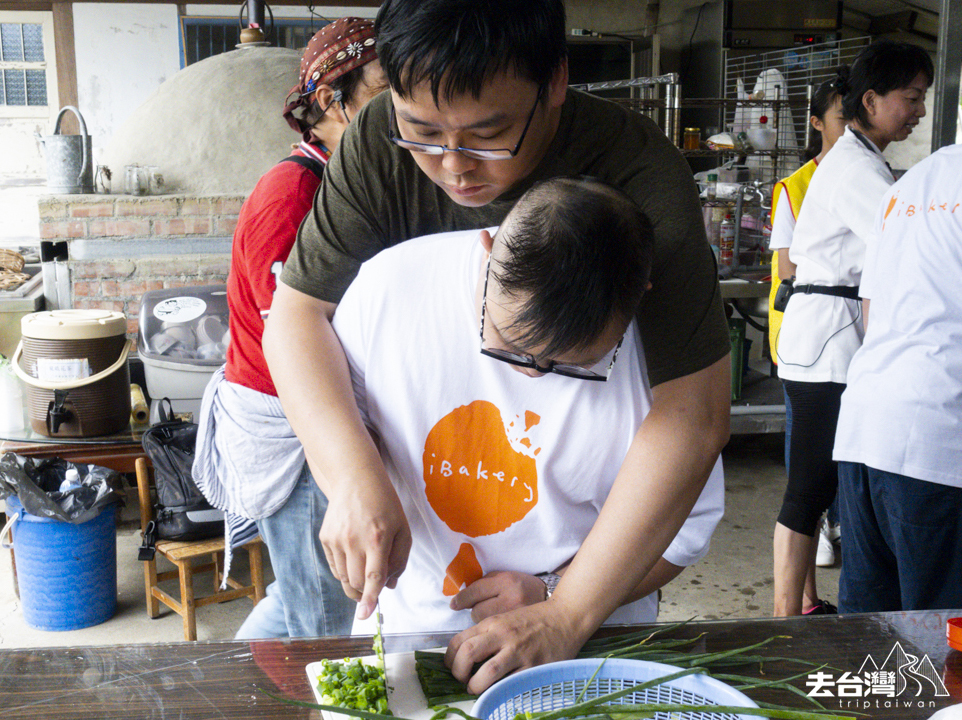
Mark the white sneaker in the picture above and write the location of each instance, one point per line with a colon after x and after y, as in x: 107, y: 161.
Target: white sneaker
x: 834, y: 531
x: 825, y: 554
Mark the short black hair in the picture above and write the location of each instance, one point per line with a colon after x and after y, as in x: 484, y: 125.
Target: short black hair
x: 577, y: 256
x: 457, y: 45
x: 883, y: 66
x: 822, y: 100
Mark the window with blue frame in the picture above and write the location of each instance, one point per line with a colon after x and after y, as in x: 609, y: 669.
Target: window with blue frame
x: 202, y: 38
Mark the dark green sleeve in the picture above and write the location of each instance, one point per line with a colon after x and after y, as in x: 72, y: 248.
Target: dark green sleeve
x: 682, y: 319
x: 683, y: 330
x: 344, y: 227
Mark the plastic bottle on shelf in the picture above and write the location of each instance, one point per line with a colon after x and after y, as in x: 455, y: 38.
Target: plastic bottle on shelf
x: 717, y: 215
x: 726, y: 242
x: 11, y: 400
x: 706, y: 219
x: 711, y: 191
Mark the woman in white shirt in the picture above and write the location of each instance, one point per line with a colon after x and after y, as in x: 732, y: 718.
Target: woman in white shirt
x: 883, y: 99
x: 825, y: 117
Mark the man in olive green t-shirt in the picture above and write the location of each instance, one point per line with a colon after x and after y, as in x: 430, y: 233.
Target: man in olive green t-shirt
x: 479, y: 110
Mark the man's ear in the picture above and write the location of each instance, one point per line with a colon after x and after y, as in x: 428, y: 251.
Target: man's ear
x: 558, y: 86
x: 487, y: 242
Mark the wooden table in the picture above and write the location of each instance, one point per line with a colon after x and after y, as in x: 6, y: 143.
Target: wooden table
x: 117, y: 452
x: 229, y: 679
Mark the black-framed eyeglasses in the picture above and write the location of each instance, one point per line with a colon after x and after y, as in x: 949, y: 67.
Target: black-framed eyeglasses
x: 528, y: 361
x: 394, y: 135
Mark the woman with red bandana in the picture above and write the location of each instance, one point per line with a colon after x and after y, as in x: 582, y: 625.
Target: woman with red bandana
x: 249, y: 462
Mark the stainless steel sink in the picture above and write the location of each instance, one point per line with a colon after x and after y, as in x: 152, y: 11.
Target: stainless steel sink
x: 748, y: 293
x: 756, y: 307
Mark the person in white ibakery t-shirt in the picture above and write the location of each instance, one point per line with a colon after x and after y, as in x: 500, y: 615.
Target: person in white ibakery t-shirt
x: 899, y: 436
x: 504, y: 377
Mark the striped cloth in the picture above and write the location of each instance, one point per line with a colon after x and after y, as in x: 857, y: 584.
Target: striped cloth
x: 248, y: 458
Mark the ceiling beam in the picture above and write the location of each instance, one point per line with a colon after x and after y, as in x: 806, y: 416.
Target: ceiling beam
x: 13, y: 5
x: 25, y: 6
x: 881, y: 24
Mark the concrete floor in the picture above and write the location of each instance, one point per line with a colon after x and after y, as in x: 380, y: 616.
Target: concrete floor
x: 734, y: 580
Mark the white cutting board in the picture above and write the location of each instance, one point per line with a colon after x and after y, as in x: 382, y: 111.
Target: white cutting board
x: 404, y: 694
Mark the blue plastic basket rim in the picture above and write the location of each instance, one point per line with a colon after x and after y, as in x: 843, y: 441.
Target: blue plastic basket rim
x: 15, y: 507
x: 617, y: 668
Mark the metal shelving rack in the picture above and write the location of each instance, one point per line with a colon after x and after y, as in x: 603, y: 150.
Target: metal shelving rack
x: 659, y: 97
x: 789, y: 77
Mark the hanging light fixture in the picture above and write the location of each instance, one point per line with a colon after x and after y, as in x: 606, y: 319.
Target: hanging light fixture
x: 254, y: 34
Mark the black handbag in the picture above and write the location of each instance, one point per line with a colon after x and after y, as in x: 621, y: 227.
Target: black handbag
x: 181, y: 512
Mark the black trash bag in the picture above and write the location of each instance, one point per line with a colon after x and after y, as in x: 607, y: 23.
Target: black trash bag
x: 37, y: 486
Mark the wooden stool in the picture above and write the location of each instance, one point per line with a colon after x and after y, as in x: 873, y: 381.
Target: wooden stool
x: 182, y: 555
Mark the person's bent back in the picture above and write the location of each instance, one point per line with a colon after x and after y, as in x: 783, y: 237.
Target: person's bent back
x: 503, y: 448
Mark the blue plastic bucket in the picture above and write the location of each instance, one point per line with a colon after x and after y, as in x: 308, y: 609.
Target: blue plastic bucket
x: 67, y: 573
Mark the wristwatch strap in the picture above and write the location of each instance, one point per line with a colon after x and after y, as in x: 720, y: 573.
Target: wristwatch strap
x: 550, y: 581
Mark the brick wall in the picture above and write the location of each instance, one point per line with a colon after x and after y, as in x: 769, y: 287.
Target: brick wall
x: 121, y: 246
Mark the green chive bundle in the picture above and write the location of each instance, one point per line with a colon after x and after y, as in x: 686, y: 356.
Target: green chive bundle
x: 441, y: 687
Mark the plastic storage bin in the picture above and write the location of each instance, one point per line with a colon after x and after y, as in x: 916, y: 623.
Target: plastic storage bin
x: 182, y: 340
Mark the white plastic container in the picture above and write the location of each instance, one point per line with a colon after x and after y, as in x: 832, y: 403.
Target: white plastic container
x: 762, y: 138
x: 11, y: 401
x: 182, y: 341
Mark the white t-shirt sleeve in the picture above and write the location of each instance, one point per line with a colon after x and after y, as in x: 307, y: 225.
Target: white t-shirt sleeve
x: 350, y: 323
x: 694, y: 538
x: 871, y: 251
x: 783, y: 221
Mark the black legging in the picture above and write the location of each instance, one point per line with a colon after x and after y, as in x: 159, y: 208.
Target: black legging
x: 812, y: 474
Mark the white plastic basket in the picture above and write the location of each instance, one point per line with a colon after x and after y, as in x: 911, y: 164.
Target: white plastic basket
x: 558, y: 685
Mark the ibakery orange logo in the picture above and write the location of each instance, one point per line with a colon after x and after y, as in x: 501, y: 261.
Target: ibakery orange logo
x: 480, y: 477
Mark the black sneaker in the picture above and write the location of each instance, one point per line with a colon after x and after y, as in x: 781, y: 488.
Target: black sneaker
x: 822, y: 607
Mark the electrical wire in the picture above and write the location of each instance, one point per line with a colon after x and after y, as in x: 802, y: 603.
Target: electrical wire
x: 691, y: 39
x: 782, y: 361
x: 315, y: 14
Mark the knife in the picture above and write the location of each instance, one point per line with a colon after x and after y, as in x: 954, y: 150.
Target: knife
x: 379, y: 645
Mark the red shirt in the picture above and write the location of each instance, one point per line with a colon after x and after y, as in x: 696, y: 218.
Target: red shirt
x: 266, y: 230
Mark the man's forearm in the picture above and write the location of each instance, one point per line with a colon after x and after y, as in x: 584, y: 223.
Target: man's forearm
x: 662, y: 573
x: 365, y: 534
x: 659, y: 482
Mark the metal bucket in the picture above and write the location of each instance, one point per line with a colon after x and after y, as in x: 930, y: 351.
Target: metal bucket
x: 70, y: 168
